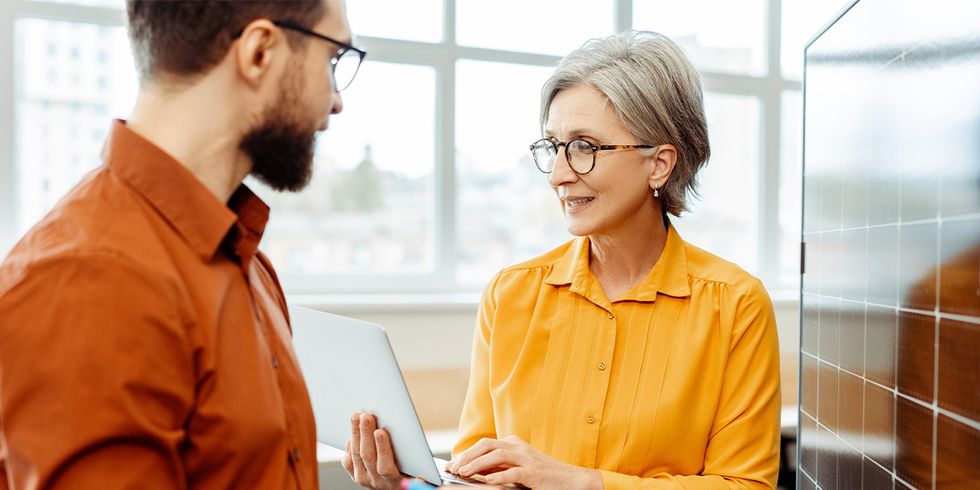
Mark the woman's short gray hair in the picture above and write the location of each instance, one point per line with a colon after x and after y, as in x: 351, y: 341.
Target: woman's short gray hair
x: 655, y: 91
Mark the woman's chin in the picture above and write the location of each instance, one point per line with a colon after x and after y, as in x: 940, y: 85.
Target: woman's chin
x: 576, y: 228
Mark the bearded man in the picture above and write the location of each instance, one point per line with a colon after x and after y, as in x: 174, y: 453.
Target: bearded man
x: 144, y: 339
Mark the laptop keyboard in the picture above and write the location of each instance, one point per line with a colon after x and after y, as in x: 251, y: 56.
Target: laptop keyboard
x: 448, y: 477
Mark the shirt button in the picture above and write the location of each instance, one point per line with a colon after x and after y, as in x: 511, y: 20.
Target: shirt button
x: 590, y: 419
x: 275, y: 362
x: 602, y: 366
x: 296, y: 455
x: 611, y: 316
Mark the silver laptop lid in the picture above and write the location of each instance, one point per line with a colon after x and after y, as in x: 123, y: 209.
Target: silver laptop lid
x: 349, y: 367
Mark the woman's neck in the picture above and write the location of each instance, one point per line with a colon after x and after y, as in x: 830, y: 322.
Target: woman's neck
x: 623, y: 259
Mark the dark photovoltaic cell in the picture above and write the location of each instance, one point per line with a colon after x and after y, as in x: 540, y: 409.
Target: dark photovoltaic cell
x: 890, y: 313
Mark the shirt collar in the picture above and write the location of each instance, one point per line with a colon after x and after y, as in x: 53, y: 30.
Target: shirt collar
x: 668, y: 276
x: 191, y: 209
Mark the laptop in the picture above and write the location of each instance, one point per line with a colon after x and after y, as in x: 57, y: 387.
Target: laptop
x: 349, y: 367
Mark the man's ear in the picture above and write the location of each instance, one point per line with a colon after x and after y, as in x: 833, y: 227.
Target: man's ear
x: 664, y: 159
x: 254, y: 51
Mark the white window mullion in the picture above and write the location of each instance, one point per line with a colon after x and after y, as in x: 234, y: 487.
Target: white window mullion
x: 445, y: 185
x: 624, y: 15
x: 445, y: 175
x: 68, y: 12
x: 8, y: 188
x: 770, y: 133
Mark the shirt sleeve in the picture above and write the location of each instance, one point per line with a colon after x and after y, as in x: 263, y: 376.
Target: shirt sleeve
x: 743, y: 449
x: 476, y: 421
x: 96, y: 376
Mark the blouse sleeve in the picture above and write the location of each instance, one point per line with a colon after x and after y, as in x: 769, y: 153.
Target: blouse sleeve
x: 476, y: 421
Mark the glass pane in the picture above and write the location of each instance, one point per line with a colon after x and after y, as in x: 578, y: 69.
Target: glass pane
x: 417, y: 20
x: 790, y: 205
x: 801, y: 21
x: 545, y: 26
x: 725, y: 220
x: 506, y: 211
x: 730, y: 39
x: 368, y: 208
x: 70, y: 80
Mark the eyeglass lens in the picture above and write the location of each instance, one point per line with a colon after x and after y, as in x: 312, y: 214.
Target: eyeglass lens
x: 578, y: 152
x: 345, y: 68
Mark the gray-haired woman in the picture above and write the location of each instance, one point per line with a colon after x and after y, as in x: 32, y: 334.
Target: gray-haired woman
x: 625, y: 358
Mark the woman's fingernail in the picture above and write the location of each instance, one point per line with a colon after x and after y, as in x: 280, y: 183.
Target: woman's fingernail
x: 465, y: 469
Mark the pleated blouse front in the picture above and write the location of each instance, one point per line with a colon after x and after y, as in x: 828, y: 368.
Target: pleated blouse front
x: 675, y: 383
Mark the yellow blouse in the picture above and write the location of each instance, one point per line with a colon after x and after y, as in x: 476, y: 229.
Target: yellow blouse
x: 674, y: 385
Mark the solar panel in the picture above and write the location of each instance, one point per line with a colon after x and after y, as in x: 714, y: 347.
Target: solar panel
x: 890, y: 341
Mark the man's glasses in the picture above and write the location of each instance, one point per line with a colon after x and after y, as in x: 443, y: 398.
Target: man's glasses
x: 344, y: 64
x: 579, y: 153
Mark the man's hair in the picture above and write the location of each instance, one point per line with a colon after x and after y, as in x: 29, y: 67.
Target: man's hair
x: 183, y: 39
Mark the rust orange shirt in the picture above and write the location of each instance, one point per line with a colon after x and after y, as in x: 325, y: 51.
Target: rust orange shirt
x: 144, y: 341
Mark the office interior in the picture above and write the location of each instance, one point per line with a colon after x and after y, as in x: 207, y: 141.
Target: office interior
x: 845, y: 174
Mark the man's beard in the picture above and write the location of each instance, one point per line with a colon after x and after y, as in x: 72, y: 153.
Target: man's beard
x: 280, y: 147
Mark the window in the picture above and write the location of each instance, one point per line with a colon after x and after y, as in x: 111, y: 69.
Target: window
x: 368, y: 209
x: 425, y: 25
x: 424, y: 183
x: 729, y: 184
x: 506, y: 211
x: 60, y: 120
x: 731, y: 39
x: 550, y: 27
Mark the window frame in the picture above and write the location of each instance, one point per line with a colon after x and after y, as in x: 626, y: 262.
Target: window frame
x: 442, y: 57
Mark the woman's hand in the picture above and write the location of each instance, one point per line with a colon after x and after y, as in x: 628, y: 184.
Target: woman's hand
x: 370, y: 460
x: 511, y: 460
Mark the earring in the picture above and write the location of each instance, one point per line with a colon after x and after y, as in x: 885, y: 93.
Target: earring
x: 656, y: 192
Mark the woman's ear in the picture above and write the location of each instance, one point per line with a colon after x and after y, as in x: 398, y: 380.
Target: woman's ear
x: 664, y: 158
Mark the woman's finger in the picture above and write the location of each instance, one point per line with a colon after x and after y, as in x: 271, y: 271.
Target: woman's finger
x: 482, y: 447
x: 498, y: 458
x: 516, y: 474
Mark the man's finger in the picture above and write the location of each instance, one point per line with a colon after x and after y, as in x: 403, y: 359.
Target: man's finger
x: 355, y: 433
x: 368, y: 452
x: 386, y: 457
x: 347, y: 462
x: 360, y: 473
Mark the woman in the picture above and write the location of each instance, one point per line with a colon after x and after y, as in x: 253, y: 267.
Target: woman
x: 626, y: 358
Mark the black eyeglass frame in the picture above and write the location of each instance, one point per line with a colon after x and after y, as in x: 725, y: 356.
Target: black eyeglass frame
x: 595, y: 149
x: 344, y: 48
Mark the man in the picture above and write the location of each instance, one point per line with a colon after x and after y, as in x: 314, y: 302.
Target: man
x: 144, y: 341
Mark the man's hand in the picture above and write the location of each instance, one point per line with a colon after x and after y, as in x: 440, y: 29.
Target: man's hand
x: 370, y: 460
